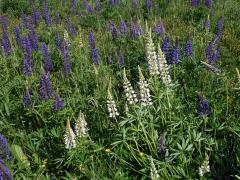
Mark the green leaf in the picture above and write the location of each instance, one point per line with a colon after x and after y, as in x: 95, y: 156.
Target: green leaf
x: 20, y: 156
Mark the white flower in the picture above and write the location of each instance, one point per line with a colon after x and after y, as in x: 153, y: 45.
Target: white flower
x: 145, y: 97
x: 66, y: 38
x: 81, y: 126
x: 129, y: 92
x: 151, y: 55
x: 69, y: 137
x: 154, y: 174
x: 204, y: 167
x: 111, y: 105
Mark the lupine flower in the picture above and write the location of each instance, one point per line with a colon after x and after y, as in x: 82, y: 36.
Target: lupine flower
x: 91, y: 39
x: 81, y: 126
x: 97, y: 5
x: 121, y: 59
x: 69, y: 137
x: 46, y: 58
x: 203, y: 107
x: 204, y: 168
x: 219, y: 28
x: 151, y: 55
x: 5, y: 173
x: 28, y: 62
x: 94, y: 54
x: 210, y: 52
x: 68, y: 25
x: 27, y: 97
x: 6, y: 43
x: 176, y: 53
x: 188, y: 47
x: 139, y: 29
x: 37, y: 17
x: 74, y: 30
x: 128, y: 89
x: 58, y: 41
x: 4, y: 149
x: 32, y: 36
x: 133, y: 29
x: 47, y: 15
x: 216, y: 56
x: 66, y: 38
x: 57, y: 103
x: 90, y: 9
x: 207, y: 24
x: 163, y: 67
x: 74, y: 4
x: 208, y: 3
x: 149, y: 4
x: 66, y: 61
x: 145, y: 97
x: 114, y: 31
x: 166, y: 48
x: 85, y: 4
x: 113, y: 2
x: 153, y: 172
x: 161, y: 146
x: 123, y: 27
x: 4, y: 23
x: 111, y: 105
x: 57, y: 18
x: 194, y: 3
x: 134, y: 4
x: 46, y: 90
x: 17, y: 36
x: 159, y: 29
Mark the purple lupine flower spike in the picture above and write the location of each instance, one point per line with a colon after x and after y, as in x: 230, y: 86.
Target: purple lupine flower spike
x: 74, y: 5
x: 194, y: 3
x: 66, y: 61
x: 207, y: 24
x: 97, y: 5
x: 4, y: 172
x: 94, y: 54
x: 166, y: 48
x: 188, y: 47
x: 161, y: 146
x: 134, y: 4
x: 90, y: 9
x: 210, y: 52
x: 33, y: 38
x: 220, y: 28
x: 133, y: 29
x: 208, y: 3
x: 149, y: 4
x: 85, y: 4
x: 17, y: 36
x: 216, y: 57
x: 28, y: 62
x: 57, y: 18
x: 203, y: 107
x: 6, y: 43
x: 120, y: 59
x: 4, y: 22
x: 47, y: 15
x: 68, y: 25
x: 4, y: 149
x: 91, y: 40
x: 46, y: 90
x: 123, y: 27
x: 114, y: 31
x: 139, y: 29
x: 176, y: 53
x: 27, y: 97
x: 46, y: 58
x: 159, y: 29
x: 57, y: 103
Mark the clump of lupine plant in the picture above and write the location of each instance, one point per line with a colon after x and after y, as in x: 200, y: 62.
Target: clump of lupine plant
x: 208, y: 3
x: 175, y: 53
x: 46, y: 15
x: 46, y: 58
x: 27, y: 52
x: 114, y: 30
x: 167, y: 49
x: 97, y: 5
x: 69, y: 136
x: 46, y: 91
x: 6, y: 44
x: 57, y: 102
x: 17, y: 36
x: 219, y: 28
x: 94, y: 54
x: 204, y: 168
x: 111, y: 105
x: 128, y: 89
x: 123, y: 27
x: 81, y: 126
x: 195, y: 3
x: 151, y: 55
x: 163, y: 67
x: 207, y: 24
x: 5, y: 173
x: 153, y: 171
x: 203, y: 107
x: 159, y: 29
x: 66, y: 61
x: 145, y: 97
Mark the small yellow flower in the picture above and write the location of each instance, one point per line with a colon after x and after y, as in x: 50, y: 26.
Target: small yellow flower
x: 108, y: 150
x: 141, y: 154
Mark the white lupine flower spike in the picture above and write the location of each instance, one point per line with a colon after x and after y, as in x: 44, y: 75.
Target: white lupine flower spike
x: 153, y: 172
x: 128, y: 89
x: 205, y: 168
x: 163, y: 67
x: 81, y: 126
x: 151, y: 55
x: 69, y: 136
x: 66, y: 38
x: 111, y: 105
x: 145, y: 97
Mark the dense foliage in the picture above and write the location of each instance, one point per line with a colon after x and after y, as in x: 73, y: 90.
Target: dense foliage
x: 119, y: 89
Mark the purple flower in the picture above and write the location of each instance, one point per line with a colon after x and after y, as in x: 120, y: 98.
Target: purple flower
x: 68, y: 25
x: 46, y: 90
x: 57, y: 18
x: 176, y: 53
x: 159, y: 29
x: 207, y: 24
x: 90, y: 9
x: 4, y: 149
x: 6, y: 43
x: 208, y: 3
x: 188, y: 47
x: 120, y: 59
x: 210, y: 52
x: 28, y: 62
x: 194, y: 3
x: 4, y: 22
x: 114, y: 31
x: 58, y: 40
x: 66, y: 61
x: 216, y: 56
x: 166, y: 48
x: 123, y: 27
x: 113, y: 2
x: 91, y: 39
x: 57, y: 103
x: 149, y: 4
x: 133, y: 30
x: 74, y: 5
x: 46, y: 58
x: 220, y: 28
x: 33, y: 39
x: 47, y: 15
x: 85, y: 4
x: 139, y: 29
x: 5, y: 173
x: 203, y: 107
x: 134, y: 4
x: 94, y: 54
x: 27, y: 97
x: 161, y: 146
x: 97, y: 5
